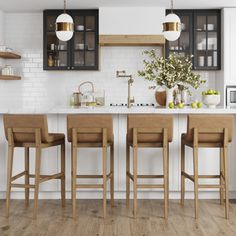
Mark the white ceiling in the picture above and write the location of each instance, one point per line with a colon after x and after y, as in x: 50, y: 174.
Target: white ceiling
x: 39, y: 5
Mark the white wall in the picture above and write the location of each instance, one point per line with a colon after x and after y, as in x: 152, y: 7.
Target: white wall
x: 1, y: 31
x: 1, y: 27
x: 40, y: 88
x: 131, y: 20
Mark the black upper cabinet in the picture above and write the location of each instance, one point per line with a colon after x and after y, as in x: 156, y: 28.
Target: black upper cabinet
x: 200, y: 37
x: 79, y: 53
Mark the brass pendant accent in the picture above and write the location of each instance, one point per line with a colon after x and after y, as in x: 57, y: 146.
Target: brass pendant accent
x: 64, y: 26
x: 171, y: 26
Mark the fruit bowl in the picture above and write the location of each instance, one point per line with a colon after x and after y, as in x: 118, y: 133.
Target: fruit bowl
x: 211, y: 101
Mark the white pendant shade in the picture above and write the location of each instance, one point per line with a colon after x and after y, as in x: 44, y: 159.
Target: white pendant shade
x: 172, y: 27
x: 64, y: 27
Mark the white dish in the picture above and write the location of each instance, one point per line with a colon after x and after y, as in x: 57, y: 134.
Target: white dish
x: 79, y: 46
x: 80, y: 27
x: 209, y: 27
x: 3, y: 48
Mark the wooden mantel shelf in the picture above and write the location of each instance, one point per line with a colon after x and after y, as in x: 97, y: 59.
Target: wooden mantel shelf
x: 9, y: 55
x: 131, y: 40
x: 9, y: 77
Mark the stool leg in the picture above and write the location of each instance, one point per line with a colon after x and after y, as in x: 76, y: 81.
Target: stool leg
x: 63, y: 190
x: 104, y: 167
x: 168, y: 157
x: 9, y: 176
x: 182, y: 171
x: 127, y: 177
x: 71, y: 172
x: 74, y: 170
x: 195, y: 163
x: 37, y: 179
x: 27, y: 176
x: 112, y: 176
x: 165, y: 168
x: 226, y: 182
x: 135, y: 154
x: 221, y: 173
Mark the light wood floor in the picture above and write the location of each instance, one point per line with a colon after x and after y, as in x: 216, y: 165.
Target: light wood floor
x: 53, y: 220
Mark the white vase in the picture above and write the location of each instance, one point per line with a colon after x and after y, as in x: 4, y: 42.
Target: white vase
x: 169, y: 96
x: 184, y: 96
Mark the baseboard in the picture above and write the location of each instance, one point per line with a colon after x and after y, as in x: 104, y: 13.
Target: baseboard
x: 119, y: 195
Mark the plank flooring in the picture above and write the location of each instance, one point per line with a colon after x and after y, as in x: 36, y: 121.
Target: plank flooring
x: 54, y: 221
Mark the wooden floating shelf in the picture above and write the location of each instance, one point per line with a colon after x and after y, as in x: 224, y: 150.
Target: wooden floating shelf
x: 9, y: 77
x: 9, y: 55
x: 131, y: 40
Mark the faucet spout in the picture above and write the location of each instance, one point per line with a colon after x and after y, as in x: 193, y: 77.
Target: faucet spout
x: 122, y: 74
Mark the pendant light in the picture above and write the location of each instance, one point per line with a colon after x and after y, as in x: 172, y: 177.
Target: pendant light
x: 64, y: 26
x: 172, y: 26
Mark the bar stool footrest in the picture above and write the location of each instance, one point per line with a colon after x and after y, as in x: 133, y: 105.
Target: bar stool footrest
x: 211, y: 186
x: 18, y: 175
x: 150, y: 185
x: 23, y: 185
x: 94, y: 176
x: 191, y: 177
x: 89, y: 185
x: 144, y: 176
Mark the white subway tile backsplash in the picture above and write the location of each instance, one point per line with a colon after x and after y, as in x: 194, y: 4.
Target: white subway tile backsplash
x: 38, y: 60
x: 36, y: 70
x: 31, y: 65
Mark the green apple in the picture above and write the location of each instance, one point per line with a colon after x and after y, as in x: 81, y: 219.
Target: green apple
x: 210, y: 92
x: 199, y: 105
x: 180, y: 105
x: 171, y: 105
x: 193, y: 104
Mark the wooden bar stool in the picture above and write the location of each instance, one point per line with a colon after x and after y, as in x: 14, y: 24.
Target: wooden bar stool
x: 207, y: 131
x: 91, y: 131
x: 31, y: 131
x: 150, y: 131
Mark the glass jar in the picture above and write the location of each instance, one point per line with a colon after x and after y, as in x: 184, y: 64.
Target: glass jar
x: 50, y: 60
x: 7, y: 70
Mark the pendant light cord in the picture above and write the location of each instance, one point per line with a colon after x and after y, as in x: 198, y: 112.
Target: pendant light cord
x: 172, y: 6
x: 64, y: 6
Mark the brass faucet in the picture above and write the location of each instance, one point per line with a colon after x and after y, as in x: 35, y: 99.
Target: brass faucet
x: 122, y: 74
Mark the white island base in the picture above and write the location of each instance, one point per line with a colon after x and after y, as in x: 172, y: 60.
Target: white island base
x: 149, y: 160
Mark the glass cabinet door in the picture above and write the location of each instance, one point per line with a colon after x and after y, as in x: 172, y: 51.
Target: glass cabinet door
x: 183, y: 45
x: 206, y: 46
x: 200, y: 37
x: 56, y: 50
x: 85, y: 42
x: 81, y: 51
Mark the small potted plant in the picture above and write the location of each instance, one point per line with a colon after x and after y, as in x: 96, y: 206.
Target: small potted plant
x: 211, y: 98
x: 169, y: 73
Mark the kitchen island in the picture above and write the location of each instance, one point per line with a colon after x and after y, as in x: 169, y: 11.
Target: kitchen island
x: 149, y: 161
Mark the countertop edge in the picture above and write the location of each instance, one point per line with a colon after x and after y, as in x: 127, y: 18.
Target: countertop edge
x: 117, y: 110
